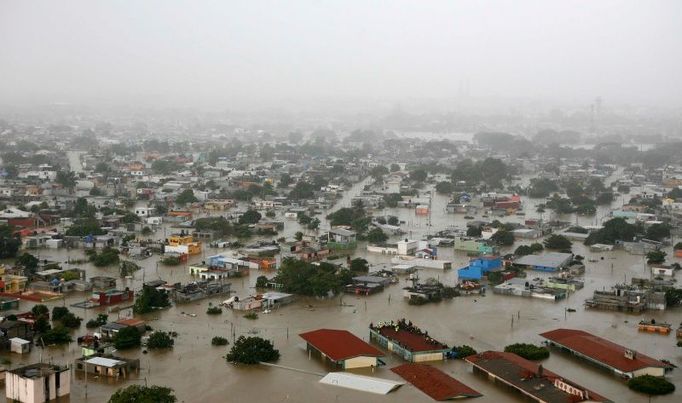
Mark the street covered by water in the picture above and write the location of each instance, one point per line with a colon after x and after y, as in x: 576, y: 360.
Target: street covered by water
x: 198, y: 371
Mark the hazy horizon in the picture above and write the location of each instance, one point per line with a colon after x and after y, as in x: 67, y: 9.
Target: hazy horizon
x: 260, y: 54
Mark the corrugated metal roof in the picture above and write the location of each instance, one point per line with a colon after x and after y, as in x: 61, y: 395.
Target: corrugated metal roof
x: 361, y: 383
x: 104, y: 362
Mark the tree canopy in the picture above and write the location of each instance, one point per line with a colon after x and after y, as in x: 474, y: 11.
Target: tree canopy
x: 143, y: 394
x: 252, y: 350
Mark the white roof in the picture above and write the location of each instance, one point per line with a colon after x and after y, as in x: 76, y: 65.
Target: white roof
x: 361, y: 382
x: 19, y: 340
x: 104, y: 362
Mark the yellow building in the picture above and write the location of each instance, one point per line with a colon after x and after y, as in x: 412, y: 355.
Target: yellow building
x: 13, y: 284
x: 183, y: 244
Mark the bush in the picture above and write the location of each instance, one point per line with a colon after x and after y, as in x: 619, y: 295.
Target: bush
x: 171, y: 260
x: 251, y: 316
x: 528, y: 351
x: 219, y: 341
x: 651, y: 385
x: 214, y: 310
x: 252, y: 350
x: 106, y: 257
x: 128, y: 337
x: 655, y: 256
x: 160, y: 340
x: 463, y: 351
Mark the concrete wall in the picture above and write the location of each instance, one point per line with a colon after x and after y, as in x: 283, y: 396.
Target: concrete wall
x: 360, y: 362
x: 427, y: 357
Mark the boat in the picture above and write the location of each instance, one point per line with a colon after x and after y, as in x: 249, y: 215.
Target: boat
x: 653, y: 327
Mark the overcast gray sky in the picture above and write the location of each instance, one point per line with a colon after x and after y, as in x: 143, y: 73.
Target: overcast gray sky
x: 213, y: 53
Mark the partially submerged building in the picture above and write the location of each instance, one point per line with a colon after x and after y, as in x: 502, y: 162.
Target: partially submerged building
x: 37, y: 383
x: 407, y: 341
x: 604, y: 353
x: 109, y: 366
x: 530, y: 379
x: 550, y: 261
x: 341, y: 349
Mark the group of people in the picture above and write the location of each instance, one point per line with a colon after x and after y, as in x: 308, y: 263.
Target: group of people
x: 407, y: 326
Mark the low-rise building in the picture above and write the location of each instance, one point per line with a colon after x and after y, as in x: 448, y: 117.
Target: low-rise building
x: 604, y: 353
x: 530, y: 379
x: 341, y: 349
x: 37, y: 383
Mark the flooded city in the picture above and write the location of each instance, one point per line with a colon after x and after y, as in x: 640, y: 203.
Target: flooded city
x: 344, y: 202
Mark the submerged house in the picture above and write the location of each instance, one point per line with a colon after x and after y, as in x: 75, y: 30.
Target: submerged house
x: 109, y: 366
x: 341, y: 349
x: 407, y: 341
x: 37, y: 383
x: 479, y: 267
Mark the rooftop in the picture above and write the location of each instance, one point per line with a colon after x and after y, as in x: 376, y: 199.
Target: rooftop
x: 601, y: 350
x: 549, y: 259
x: 339, y: 345
x: 530, y: 378
x: 414, y: 341
x: 434, y: 382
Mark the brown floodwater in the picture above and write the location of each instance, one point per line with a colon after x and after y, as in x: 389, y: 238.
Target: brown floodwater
x: 198, y: 371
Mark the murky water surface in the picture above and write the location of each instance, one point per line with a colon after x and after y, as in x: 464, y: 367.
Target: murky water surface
x: 198, y: 372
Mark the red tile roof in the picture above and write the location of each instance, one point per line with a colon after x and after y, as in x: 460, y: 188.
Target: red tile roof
x: 600, y: 350
x: 519, y: 371
x: 412, y: 341
x: 434, y: 382
x: 339, y: 345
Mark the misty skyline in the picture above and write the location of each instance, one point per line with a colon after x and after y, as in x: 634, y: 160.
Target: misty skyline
x: 232, y: 54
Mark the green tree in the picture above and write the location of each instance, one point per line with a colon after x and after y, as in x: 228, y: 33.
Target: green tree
x: 9, y: 244
x: 67, y: 179
x: 376, y: 236
x: 252, y: 350
x: 85, y: 227
x: 143, y: 394
x: 463, y: 351
x: 126, y: 338
x: 261, y: 282
x: 474, y: 231
x: 359, y: 265
x: 559, y: 242
x: 657, y: 232
x: 186, y: 197
x: 503, y: 237
x: 250, y: 217
x: 150, y: 299
x: 418, y: 175
x: 616, y: 229
x: 445, y: 187
x: 57, y: 335
x: 542, y: 188
x: 160, y: 340
x: 528, y: 351
x: 28, y: 262
x: 302, y: 190
x: 655, y: 257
